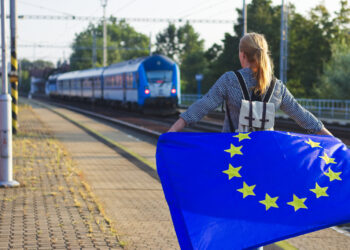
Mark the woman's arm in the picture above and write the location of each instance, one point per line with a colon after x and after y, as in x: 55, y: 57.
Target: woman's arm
x: 300, y: 115
x: 200, y: 108
x: 178, y: 125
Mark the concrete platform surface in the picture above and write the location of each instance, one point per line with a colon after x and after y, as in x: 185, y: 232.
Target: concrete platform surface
x: 127, y: 200
x: 51, y: 209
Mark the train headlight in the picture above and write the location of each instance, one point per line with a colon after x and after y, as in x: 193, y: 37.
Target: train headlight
x: 147, y: 91
x: 173, y: 91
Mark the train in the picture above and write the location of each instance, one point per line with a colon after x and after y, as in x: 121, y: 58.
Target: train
x: 150, y: 83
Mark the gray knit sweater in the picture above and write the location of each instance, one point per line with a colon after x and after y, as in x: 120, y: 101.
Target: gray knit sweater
x: 227, y: 89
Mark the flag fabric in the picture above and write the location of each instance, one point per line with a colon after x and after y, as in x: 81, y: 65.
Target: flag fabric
x: 245, y: 190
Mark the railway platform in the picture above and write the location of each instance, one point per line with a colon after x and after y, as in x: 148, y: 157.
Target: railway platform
x: 87, y: 184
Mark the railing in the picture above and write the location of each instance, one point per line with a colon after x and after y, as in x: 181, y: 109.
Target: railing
x: 323, y: 108
x: 338, y: 109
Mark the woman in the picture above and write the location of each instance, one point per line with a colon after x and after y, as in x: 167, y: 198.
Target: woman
x: 257, y: 71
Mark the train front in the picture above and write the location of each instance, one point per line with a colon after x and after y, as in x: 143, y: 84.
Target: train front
x: 160, y: 78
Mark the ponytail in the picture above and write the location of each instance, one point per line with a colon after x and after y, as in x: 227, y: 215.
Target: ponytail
x: 255, y: 47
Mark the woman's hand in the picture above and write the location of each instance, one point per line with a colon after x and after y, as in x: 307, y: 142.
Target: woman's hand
x: 178, y: 125
x: 324, y: 131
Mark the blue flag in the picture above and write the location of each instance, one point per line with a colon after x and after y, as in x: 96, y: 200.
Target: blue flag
x: 237, y: 191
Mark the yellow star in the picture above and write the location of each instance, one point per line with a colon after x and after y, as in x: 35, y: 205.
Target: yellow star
x: 246, y: 190
x: 234, y: 150
x: 232, y: 172
x: 269, y: 202
x: 297, y: 203
x: 313, y: 144
x: 319, y: 191
x: 327, y: 159
x: 242, y: 136
x: 332, y: 175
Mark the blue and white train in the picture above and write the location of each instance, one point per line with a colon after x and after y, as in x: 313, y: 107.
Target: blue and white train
x: 151, y: 82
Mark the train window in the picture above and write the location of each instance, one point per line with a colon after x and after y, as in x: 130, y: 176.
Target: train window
x: 159, y: 76
x: 76, y: 84
x: 109, y: 81
x: 115, y: 81
x: 129, y: 80
x: 137, y: 79
x: 118, y: 81
x: 97, y: 83
x: 89, y: 83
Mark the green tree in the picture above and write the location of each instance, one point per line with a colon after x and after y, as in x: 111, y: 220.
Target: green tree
x: 123, y: 43
x: 310, y: 40
x: 191, y: 57
x: 309, y: 50
x: 167, y: 42
x: 38, y: 68
x: 183, y: 45
x: 341, y: 23
x: 336, y: 78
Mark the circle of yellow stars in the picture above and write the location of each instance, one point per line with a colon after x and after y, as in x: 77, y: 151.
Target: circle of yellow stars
x: 269, y: 202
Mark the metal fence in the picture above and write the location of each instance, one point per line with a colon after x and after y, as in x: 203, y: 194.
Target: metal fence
x: 323, y: 108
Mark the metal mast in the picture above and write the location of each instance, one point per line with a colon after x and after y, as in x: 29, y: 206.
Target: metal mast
x: 284, y: 42
x: 104, y: 4
x: 93, y: 48
x: 14, y: 66
x: 6, y: 174
x: 244, y: 15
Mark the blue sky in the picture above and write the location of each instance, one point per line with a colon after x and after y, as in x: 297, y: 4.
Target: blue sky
x: 33, y: 33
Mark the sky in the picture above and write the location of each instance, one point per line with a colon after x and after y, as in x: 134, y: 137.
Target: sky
x: 32, y: 34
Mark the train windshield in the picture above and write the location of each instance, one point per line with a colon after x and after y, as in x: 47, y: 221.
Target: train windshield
x: 159, y: 76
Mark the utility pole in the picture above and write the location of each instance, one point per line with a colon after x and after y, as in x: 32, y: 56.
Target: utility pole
x: 93, y: 48
x: 244, y: 15
x: 104, y: 4
x: 5, y: 112
x: 14, y: 66
x: 284, y: 42
x: 150, y: 44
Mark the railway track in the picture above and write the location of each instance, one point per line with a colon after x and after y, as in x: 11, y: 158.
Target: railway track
x: 211, y: 123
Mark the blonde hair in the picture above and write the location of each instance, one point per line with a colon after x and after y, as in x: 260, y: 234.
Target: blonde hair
x: 255, y: 47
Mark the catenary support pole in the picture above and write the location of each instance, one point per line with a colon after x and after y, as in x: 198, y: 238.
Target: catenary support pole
x: 94, y: 48
x: 283, y: 43
x: 244, y: 14
x: 150, y: 44
x: 14, y: 66
x: 5, y: 112
x: 104, y: 4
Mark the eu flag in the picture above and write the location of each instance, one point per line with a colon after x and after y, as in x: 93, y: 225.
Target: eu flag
x: 237, y: 191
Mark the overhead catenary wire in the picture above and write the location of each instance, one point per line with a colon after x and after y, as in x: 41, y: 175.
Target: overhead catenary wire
x: 204, y: 8
x: 45, y: 8
x: 199, y: 4
x: 78, y: 47
x: 124, y: 6
x: 130, y: 19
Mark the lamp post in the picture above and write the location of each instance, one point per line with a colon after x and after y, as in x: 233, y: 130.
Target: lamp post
x: 199, y: 78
